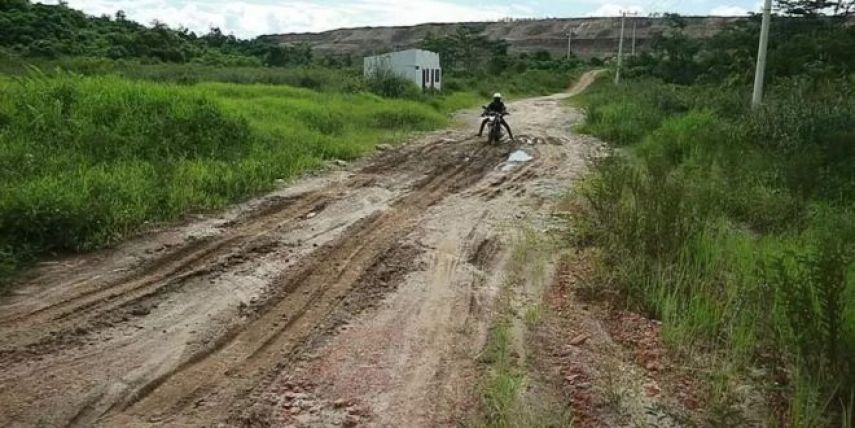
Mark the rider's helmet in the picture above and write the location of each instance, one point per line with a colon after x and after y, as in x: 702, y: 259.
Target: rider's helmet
x: 497, y: 96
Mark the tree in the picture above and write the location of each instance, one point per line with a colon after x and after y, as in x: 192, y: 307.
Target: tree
x: 816, y: 7
x: 8, y: 5
x: 467, y: 50
x: 288, y: 55
x: 43, y: 48
x: 472, y: 47
x: 445, y: 47
x: 43, y: 30
x: 499, y: 58
x: 674, y: 52
x: 215, y: 38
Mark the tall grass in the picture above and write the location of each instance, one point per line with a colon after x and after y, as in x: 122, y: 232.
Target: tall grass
x: 318, y: 78
x: 513, y: 84
x: 736, y: 227
x: 87, y: 161
x: 310, y: 77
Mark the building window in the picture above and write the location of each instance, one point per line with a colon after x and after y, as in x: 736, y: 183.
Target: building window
x: 436, y: 75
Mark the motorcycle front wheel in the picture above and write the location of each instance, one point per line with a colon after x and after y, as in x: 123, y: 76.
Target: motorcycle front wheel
x: 494, y: 137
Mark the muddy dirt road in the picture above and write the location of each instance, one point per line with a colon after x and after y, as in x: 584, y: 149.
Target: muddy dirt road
x: 362, y: 296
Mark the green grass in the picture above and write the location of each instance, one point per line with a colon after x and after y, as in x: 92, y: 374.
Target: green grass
x: 513, y: 84
x: 348, y: 80
x: 505, y: 381
x: 510, y: 396
x: 734, y: 227
x: 508, y: 399
x: 326, y: 79
x: 87, y: 161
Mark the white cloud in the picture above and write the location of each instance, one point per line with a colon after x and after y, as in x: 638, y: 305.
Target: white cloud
x: 612, y: 9
x: 255, y: 17
x: 728, y: 11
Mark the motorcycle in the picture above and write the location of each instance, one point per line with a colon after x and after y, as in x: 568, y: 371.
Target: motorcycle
x: 495, y: 133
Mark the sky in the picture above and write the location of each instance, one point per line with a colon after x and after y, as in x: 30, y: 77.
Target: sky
x: 250, y: 18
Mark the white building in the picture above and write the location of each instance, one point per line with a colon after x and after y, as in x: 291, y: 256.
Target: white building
x: 420, y: 66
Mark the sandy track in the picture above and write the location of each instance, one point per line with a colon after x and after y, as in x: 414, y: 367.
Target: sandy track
x: 367, y: 291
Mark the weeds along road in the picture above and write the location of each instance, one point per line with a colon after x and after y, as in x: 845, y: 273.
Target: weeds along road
x: 360, y: 296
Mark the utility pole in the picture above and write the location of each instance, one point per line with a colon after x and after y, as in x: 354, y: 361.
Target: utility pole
x: 633, y: 35
x: 569, y: 40
x: 759, y: 74
x: 620, y: 43
x: 620, y: 48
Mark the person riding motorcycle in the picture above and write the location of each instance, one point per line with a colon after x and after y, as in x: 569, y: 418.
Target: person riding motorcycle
x: 496, y: 106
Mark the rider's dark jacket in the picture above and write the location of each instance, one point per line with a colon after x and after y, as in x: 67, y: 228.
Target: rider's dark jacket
x: 497, y: 106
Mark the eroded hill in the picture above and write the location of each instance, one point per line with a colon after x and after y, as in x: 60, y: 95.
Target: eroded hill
x: 591, y: 36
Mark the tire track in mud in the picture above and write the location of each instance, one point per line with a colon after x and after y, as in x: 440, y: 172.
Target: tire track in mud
x: 286, y: 316
x: 84, y: 312
x: 52, y: 335
x: 304, y: 299
x: 102, y: 303
x: 511, y: 181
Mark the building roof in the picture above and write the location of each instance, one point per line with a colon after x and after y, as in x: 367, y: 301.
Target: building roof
x: 403, y: 51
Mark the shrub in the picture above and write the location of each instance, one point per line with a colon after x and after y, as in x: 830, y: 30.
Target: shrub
x: 734, y: 227
x: 814, y: 283
x: 386, y: 83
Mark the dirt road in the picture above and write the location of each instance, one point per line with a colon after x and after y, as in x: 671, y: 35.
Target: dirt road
x: 362, y: 296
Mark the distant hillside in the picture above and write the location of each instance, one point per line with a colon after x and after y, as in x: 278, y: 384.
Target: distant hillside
x: 591, y: 36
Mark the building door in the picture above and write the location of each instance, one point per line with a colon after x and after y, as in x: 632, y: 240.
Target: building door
x: 424, y: 78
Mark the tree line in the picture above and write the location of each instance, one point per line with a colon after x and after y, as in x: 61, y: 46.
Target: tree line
x: 49, y: 31
x: 802, y: 43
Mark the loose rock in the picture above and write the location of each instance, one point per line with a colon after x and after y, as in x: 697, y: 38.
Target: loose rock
x: 580, y: 340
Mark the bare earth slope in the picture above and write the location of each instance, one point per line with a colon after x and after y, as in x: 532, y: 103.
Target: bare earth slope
x: 592, y: 37
x: 360, y: 296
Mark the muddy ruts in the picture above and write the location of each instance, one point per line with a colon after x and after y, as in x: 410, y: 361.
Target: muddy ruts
x: 44, y: 366
x: 303, y: 299
x: 25, y: 335
x: 96, y: 302
x: 228, y: 371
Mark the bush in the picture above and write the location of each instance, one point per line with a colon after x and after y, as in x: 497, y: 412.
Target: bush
x: 734, y: 227
x: 680, y: 138
x: 386, y: 83
x: 625, y: 115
